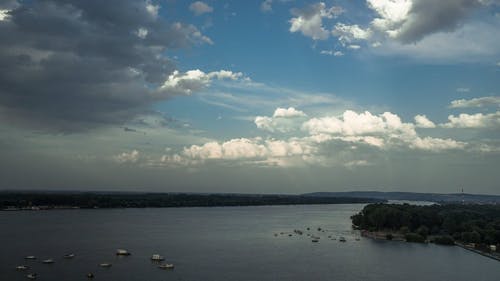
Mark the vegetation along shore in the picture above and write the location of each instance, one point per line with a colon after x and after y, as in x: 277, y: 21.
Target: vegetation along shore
x: 59, y: 200
x: 473, y: 227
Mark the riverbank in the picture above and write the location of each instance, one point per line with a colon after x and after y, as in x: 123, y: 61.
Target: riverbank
x: 33, y: 201
x: 393, y: 236
x: 490, y: 255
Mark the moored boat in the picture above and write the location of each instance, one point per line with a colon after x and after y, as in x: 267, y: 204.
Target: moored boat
x: 32, y: 276
x: 342, y: 239
x: 105, y: 264
x: 22, y: 267
x: 48, y: 261
x: 30, y: 258
x: 122, y: 252
x: 166, y: 266
x: 69, y: 256
x: 157, y: 257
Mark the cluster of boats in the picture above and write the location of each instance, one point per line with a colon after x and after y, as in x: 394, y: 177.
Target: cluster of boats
x: 314, y: 238
x: 119, y: 252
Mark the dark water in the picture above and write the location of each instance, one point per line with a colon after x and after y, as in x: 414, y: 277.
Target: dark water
x: 227, y: 243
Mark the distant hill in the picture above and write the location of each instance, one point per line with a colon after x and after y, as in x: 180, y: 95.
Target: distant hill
x: 414, y: 196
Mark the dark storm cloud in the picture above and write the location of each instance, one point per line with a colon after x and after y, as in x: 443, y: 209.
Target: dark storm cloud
x: 70, y: 64
x: 431, y: 16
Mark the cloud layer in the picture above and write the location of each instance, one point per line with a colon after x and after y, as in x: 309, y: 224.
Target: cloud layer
x: 70, y: 65
x: 312, y: 140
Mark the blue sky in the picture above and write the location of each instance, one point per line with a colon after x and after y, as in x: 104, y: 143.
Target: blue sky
x: 251, y: 96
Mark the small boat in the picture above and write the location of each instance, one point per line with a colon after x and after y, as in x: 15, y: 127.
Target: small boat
x: 157, y: 257
x: 31, y: 276
x: 22, y: 267
x: 105, y: 264
x: 342, y: 239
x: 90, y: 275
x: 166, y: 266
x: 30, y: 258
x: 48, y: 261
x: 69, y: 256
x: 357, y: 239
x: 315, y: 240
x: 122, y: 252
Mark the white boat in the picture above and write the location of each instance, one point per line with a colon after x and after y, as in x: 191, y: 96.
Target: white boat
x: 30, y: 258
x: 157, y: 257
x: 31, y: 276
x: 22, y: 267
x: 69, y: 256
x: 48, y: 261
x: 105, y: 264
x: 122, y: 252
x: 166, y: 266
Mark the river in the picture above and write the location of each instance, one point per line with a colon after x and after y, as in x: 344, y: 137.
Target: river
x: 222, y: 243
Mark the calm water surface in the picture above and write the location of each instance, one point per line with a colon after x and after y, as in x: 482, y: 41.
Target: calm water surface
x: 226, y: 243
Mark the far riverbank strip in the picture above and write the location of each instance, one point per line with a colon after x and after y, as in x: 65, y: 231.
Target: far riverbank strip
x: 18, y: 201
x: 381, y: 235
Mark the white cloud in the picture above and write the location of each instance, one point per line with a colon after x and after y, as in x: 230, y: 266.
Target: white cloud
x: 127, y: 157
x: 194, y: 80
x: 436, y: 144
x: 309, y: 20
x: 385, y: 130
x: 195, y: 35
x: 265, y: 123
x: 350, y: 33
x: 475, y: 41
x: 288, y: 112
x: 266, y: 7
x: 429, y: 30
x: 422, y: 121
x: 476, y: 102
x: 4, y: 14
x: 199, y: 8
x: 283, y: 120
x: 332, y: 53
x: 409, y: 21
x: 478, y: 120
x: 152, y: 9
x: 356, y: 163
x: 254, y: 150
x: 142, y: 32
x: 392, y: 13
x: 352, y: 124
x: 354, y: 47
x: 348, y: 134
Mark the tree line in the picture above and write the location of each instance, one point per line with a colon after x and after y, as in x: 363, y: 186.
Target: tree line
x: 143, y: 200
x: 445, y: 224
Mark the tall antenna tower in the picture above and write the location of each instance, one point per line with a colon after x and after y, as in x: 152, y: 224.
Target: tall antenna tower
x: 463, y: 198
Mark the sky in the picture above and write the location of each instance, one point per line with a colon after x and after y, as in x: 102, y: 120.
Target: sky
x: 274, y: 96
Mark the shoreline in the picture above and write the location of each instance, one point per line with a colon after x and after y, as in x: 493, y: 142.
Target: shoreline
x: 382, y: 235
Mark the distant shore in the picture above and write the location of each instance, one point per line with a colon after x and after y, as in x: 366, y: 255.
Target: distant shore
x: 33, y: 201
